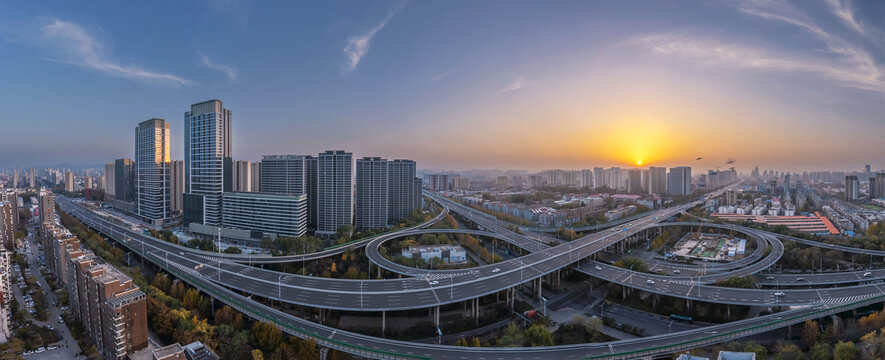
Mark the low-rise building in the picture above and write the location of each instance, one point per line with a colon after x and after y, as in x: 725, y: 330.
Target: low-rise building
x: 447, y: 253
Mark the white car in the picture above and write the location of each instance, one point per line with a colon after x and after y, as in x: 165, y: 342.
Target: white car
x: 39, y: 350
x: 779, y: 293
x: 650, y: 282
x: 52, y: 347
x: 434, y: 282
x: 676, y: 271
x: 496, y: 270
x: 598, y: 268
x: 867, y: 274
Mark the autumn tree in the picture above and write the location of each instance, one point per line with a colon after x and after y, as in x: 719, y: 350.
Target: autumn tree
x: 267, y: 336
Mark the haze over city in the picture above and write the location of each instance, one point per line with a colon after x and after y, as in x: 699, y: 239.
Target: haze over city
x: 785, y: 85
x: 422, y: 180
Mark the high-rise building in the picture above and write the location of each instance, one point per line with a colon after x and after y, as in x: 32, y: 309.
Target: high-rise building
x: 47, y: 208
x: 312, y: 170
x: 599, y: 178
x: 11, y: 196
x: 419, y: 199
x: 255, y: 173
x: 69, y: 181
x: 877, y: 186
x: 32, y: 177
x: 176, y: 186
x: 852, y: 191
x: 657, y: 180
x: 152, y: 170
x: 15, y: 178
x: 279, y: 214
x: 291, y: 174
x: 87, y: 183
x: 207, y: 161
x: 586, y: 178
x: 614, y: 178
x: 242, y: 176
x: 634, y: 181
x: 7, y: 229
x: 731, y: 197
x: 334, y: 191
x: 124, y: 180
x: 679, y: 180
x: 866, y: 171
x: 284, y: 174
x: 371, y: 193
x: 109, y: 185
x: 438, y: 182
x: 400, y: 189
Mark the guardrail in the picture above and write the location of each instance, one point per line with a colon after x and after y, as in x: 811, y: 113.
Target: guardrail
x: 728, y: 335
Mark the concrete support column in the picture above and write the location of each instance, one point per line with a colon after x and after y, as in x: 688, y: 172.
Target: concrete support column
x: 539, y: 289
x: 436, y: 316
x: 383, y: 322
x: 476, y: 315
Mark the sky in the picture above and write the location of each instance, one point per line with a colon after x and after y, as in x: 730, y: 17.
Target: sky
x: 455, y: 84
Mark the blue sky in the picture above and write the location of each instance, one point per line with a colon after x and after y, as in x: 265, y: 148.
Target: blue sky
x: 454, y: 84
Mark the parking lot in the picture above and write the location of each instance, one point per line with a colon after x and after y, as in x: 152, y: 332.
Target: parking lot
x: 66, y: 347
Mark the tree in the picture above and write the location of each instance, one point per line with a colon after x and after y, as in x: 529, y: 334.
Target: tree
x: 162, y: 282
x: 633, y: 263
x: 191, y: 299
x: 334, y: 269
x: 267, y: 336
x: 475, y: 342
x: 228, y: 316
x: 845, y: 351
x: 461, y: 342
x: 753, y: 347
x: 810, y: 333
x: 788, y: 351
x: 538, y: 335
x: 820, y: 351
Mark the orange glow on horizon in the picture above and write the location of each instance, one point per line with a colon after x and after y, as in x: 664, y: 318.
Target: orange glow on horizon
x: 639, y: 140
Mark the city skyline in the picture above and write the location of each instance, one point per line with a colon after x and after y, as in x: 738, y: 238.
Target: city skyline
x: 593, y: 84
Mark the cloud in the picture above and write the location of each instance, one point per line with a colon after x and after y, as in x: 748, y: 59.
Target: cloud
x: 842, y: 61
x: 82, y: 49
x: 844, y: 13
x: 713, y: 52
x: 441, y: 76
x: 357, y: 46
x: 230, y: 71
x: 517, y: 84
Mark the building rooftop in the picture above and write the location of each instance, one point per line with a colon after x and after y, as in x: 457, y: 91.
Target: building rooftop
x: 167, y: 351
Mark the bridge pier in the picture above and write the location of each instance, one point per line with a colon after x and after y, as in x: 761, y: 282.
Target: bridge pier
x: 383, y: 322
x: 538, y: 292
x: 436, y: 316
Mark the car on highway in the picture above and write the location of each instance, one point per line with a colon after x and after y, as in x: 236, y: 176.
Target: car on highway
x: 800, y: 279
x: 769, y: 277
x: 496, y: 270
x: 676, y: 271
x: 434, y: 282
x: 779, y: 293
x: 650, y: 282
x: 867, y: 274
x: 598, y: 268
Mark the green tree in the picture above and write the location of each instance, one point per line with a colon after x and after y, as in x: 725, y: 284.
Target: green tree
x: 631, y: 262
x: 538, y: 335
x: 845, y: 351
x: 820, y: 351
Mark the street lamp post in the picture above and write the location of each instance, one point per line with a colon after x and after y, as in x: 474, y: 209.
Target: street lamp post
x: 280, y: 287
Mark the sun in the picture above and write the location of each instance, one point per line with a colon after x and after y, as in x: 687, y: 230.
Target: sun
x: 638, y: 162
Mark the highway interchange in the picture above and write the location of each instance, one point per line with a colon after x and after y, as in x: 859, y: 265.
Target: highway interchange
x: 421, y: 292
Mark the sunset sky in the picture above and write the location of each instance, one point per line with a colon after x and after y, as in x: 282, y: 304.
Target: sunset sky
x: 455, y: 84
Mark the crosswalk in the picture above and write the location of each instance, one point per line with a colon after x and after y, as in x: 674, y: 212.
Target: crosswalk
x: 842, y: 300
x: 431, y: 277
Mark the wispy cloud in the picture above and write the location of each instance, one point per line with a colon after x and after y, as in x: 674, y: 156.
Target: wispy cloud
x: 82, y: 49
x: 846, y: 15
x: 843, y: 61
x: 517, y: 84
x: 230, y: 71
x: 358, y: 45
x: 441, y: 76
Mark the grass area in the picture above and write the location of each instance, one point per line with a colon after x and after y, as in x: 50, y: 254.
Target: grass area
x: 872, y: 207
